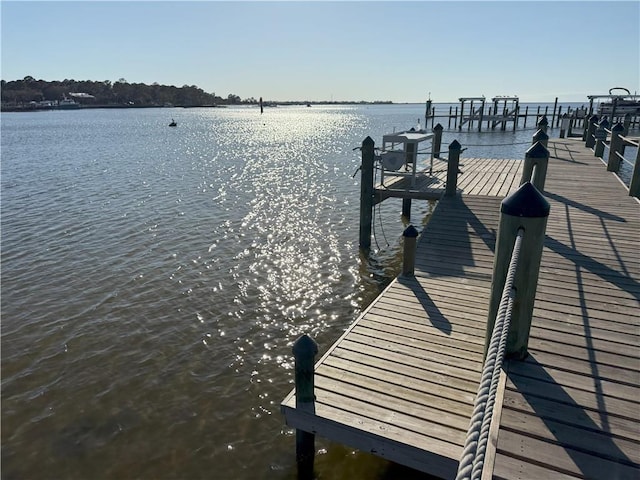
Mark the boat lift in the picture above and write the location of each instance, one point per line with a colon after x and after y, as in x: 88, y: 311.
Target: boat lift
x: 619, y: 104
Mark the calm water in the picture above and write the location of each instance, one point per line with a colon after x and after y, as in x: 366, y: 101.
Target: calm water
x: 154, y: 279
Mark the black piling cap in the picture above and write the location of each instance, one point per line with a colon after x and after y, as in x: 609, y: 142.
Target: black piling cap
x: 593, y: 119
x: 618, y: 127
x: 455, y: 145
x: 305, y: 346
x: 541, y: 135
x: 410, y: 232
x: 438, y: 127
x: 605, y: 123
x: 537, y: 150
x: 543, y: 121
x: 527, y: 202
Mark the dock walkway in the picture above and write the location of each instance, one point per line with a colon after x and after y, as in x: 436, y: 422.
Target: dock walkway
x: 400, y: 383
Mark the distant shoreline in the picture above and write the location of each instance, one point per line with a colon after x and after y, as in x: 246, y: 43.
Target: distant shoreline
x: 37, y: 108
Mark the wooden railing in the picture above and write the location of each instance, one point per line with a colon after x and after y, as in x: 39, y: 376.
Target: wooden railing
x: 598, y: 136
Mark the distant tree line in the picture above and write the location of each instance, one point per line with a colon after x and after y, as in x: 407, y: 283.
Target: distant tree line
x: 27, y: 90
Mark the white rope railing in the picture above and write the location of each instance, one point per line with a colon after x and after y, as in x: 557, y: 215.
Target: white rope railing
x: 473, y: 453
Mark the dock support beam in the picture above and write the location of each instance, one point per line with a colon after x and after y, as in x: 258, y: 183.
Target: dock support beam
x: 452, y: 169
x: 366, y: 192
x: 525, y: 209
x: 305, y: 350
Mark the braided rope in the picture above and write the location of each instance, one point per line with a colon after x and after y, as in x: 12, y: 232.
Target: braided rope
x: 472, y: 459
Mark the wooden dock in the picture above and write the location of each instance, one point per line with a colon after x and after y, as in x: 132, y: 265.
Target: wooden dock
x: 400, y: 383
x: 478, y: 177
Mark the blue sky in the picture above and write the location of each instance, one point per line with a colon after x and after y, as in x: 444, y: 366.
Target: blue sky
x: 322, y: 50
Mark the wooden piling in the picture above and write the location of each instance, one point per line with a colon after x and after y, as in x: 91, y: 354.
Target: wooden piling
x: 366, y: 192
x: 564, y: 125
x: 406, y: 208
x: 615, y: 147
x: 588, y: 138
x: 410, y: 236
x: 540, y: 136
x: 437, y: 140
x: 600, y: 136
x: 588, y: 130
x: 525, y: 209
x: 534, y: 170
x: 634, y: 185
x: 305, y: 350
x: 452, y: 169
x: 626, y: 123
x: 543, y: 124
x: 559, y: 117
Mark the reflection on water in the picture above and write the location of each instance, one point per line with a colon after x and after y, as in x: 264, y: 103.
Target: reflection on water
x: 154, y: 280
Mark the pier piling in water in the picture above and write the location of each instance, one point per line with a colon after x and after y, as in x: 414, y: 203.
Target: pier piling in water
x: 366, y: 191
x: 305, y: 350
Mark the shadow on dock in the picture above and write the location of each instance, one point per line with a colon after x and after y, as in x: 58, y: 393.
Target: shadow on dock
x: 570, y: 423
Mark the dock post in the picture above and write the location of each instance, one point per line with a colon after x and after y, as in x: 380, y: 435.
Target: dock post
x: 627, y: 124
x: 406, y: 208
x: 634, y: 185
x: 543, y: 124
x: 304, y: 352
x: 534, y: 170
x: 601, y: 137
x: 570, y: 127
x: 526, y: 208
x: 615, y: 147
x: 410, y: 236
x: 366, y: 192
x: 437, y: 140
x: 540, y: 136
x: 564, y: 125
x: 589, y: 130
x: 452, y: 169
x: 559, y: 116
